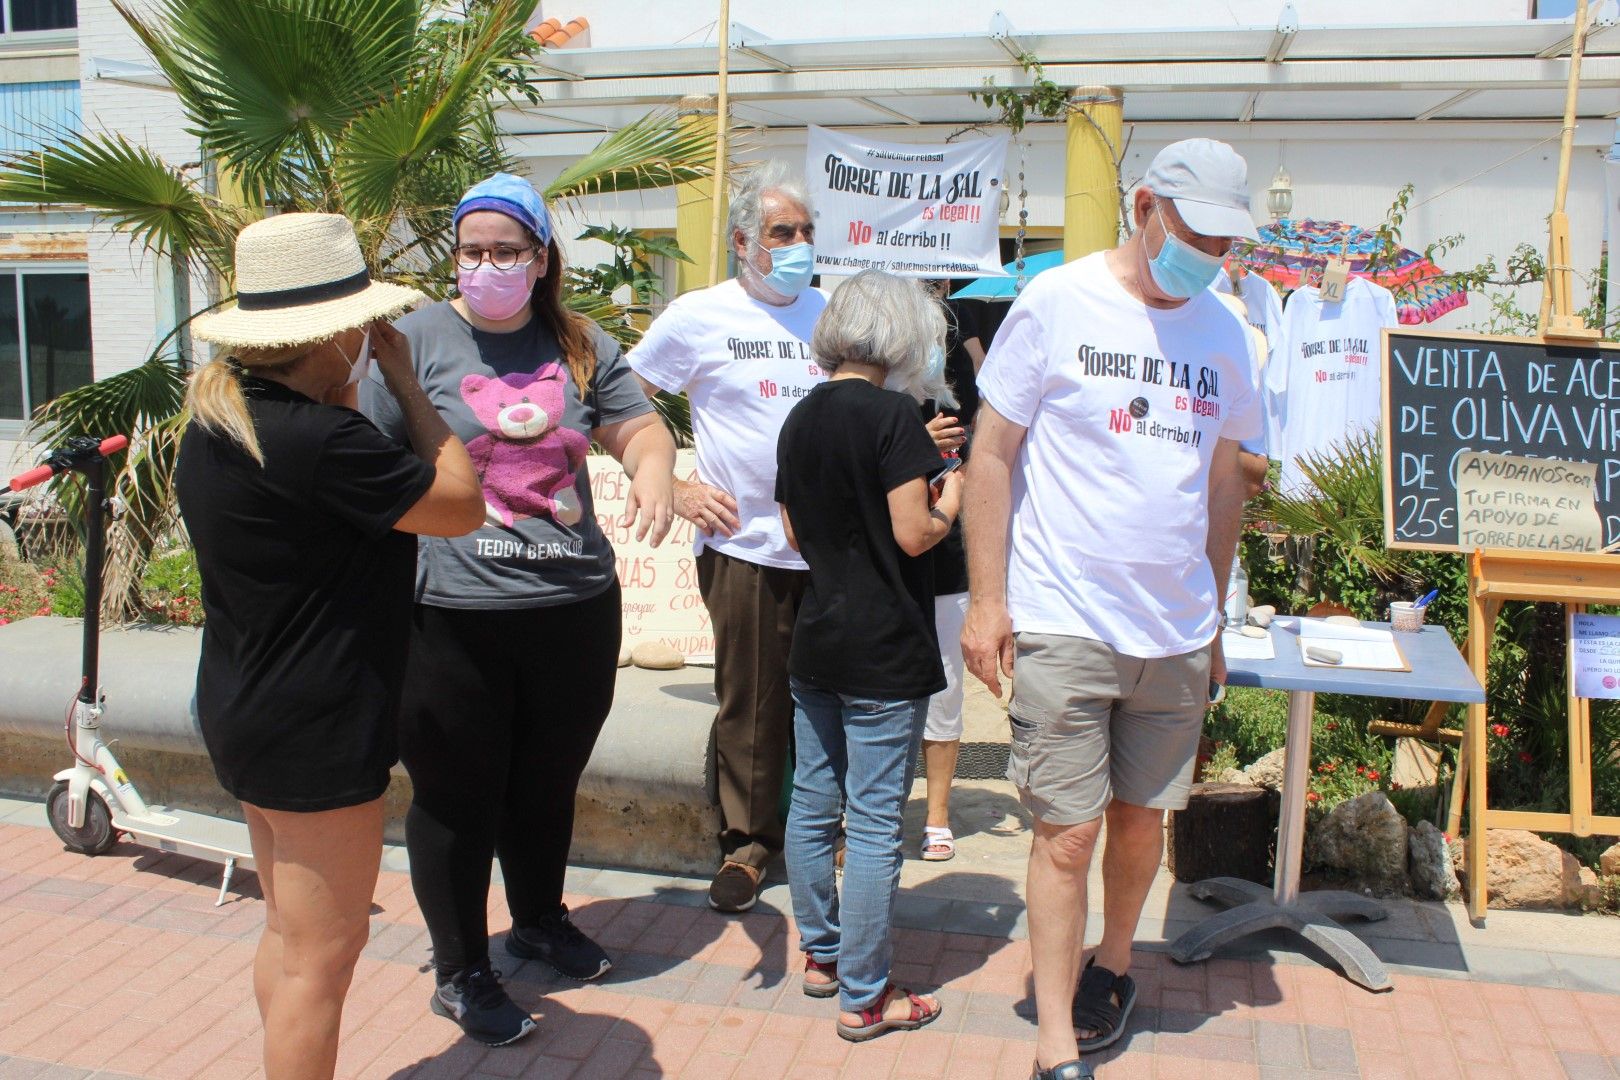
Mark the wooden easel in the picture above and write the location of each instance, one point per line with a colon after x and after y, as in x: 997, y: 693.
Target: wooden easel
x: 1574, y: 580
x: 1496, y: 575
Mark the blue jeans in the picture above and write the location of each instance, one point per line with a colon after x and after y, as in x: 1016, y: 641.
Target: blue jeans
x: 855, y: 759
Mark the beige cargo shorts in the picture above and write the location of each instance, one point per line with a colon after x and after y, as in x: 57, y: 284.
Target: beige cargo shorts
x: 1090, y: 725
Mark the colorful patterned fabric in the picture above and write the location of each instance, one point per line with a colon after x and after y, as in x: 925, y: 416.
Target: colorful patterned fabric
x: 1291, y: 253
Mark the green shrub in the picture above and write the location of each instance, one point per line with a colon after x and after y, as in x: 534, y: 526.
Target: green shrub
x: 171, y: 590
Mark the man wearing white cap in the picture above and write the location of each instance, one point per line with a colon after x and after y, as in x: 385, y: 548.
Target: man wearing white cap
x: 1106, y: 466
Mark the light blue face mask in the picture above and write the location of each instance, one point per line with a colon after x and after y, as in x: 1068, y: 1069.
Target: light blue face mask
x: 1179, y: 269
x: 792, y: 267
x: 934, y: 373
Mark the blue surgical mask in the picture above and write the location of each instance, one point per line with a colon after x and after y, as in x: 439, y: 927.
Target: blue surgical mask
x: 934, y: 373
x: 1179, y: 269
x: 792, y: 267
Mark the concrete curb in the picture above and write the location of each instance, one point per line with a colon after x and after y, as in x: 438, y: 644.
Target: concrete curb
x: 644, y: 799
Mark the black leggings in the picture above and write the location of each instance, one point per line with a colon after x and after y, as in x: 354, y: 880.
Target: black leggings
x: 501, y: 712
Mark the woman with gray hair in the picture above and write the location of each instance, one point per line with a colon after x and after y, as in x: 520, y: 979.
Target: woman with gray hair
x: 856, y: 481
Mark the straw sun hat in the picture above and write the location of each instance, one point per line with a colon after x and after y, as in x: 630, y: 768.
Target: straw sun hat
x: 300, y: 278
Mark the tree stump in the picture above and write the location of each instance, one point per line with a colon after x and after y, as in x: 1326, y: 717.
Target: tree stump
x: 1227, y: 830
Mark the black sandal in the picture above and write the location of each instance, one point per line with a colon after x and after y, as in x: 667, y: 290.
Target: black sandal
x: 1102, y: 1004
x: 1065, y: 1070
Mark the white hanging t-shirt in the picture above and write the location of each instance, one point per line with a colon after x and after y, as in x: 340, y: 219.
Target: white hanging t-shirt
x: 1324, y: 384
x: 743, y: 364
x: 1262, y: 305
x: 1123, y: 404
x: 1256, y: 445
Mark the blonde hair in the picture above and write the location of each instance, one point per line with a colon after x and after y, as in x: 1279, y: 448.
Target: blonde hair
x: 214, y: 393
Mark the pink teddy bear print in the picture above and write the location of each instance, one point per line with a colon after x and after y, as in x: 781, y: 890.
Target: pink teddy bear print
x: 528, y: 461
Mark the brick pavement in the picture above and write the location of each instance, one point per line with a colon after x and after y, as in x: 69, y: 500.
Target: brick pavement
x: 121, y: 967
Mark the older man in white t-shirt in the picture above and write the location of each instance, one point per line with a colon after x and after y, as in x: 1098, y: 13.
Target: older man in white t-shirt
x: 741, y: 352
x: 1102, y: 510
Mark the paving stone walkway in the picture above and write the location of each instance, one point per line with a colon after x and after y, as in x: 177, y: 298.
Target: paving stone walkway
x: 121, y: 967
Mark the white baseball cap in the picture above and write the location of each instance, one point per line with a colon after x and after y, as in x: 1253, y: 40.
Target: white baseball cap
x: 1209, y: 183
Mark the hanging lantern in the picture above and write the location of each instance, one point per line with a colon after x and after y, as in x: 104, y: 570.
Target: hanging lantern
x: 1280, y: 196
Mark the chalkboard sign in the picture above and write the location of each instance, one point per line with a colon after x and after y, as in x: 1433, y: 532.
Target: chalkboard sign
x: 1446, y: 393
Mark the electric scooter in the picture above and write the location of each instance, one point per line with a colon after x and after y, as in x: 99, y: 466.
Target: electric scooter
x: 94, y: 801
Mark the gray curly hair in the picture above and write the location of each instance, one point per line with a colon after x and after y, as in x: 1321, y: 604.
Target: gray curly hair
x: 893, y: 322
x: 747, y: 211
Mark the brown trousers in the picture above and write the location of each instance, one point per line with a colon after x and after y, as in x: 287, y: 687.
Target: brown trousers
x: 753, y: 608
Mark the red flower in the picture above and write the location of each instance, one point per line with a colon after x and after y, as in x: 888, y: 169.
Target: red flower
x: 1331, y: 725
x: 1372, y: 774
x: 1361, y: 769
x: 1525, y: 756
x: 4, y: 621
x: 1311, y: 796
x: 1499, y: 730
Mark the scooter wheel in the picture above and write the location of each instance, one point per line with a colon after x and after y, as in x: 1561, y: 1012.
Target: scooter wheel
x: 95, y: 836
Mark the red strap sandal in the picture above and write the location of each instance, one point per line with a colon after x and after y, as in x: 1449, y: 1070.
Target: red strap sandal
x: 816, y: 988
x: 874, y: 1022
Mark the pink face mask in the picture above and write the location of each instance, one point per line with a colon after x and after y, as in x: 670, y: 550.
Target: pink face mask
x: 494, y: 294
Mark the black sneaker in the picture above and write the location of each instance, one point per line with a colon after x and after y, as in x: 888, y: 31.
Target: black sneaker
x: 735, y: 887
x: 560, y: 943
x: 474, y: 999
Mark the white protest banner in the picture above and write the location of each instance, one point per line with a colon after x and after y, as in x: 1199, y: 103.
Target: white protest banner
x: 1594, y: 651
x: 659, y: 584
x: 1535, y: 503
x: 910, y: 209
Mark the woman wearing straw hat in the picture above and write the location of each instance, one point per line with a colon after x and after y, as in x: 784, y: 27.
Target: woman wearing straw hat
x: 300, y: 510
x: 515, y: 635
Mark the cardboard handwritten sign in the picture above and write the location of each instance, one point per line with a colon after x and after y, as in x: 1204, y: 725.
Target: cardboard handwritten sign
x: 1594, y: 650
x: 661, y: 599
x: 1447, y: 393
x: 1534, y: 503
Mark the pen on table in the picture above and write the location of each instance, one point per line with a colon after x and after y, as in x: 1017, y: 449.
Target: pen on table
x: 1430, y: 595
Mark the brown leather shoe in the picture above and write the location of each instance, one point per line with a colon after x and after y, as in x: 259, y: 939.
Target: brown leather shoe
x: 735, y: 887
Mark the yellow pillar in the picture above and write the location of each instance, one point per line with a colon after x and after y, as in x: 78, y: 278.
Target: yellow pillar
x: 694, y: 208
x: 1091, y: 180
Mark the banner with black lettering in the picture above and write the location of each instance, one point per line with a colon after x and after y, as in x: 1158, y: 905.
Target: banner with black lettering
x: 910, y: 209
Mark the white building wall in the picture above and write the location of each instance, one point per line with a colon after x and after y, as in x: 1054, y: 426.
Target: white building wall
x: 124, y: 279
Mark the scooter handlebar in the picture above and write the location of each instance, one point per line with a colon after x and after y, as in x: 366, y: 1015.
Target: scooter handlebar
x: 33, y: 476
x: 41, y: 473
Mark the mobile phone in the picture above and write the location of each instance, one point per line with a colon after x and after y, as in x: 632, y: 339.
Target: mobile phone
x: 937, y: 481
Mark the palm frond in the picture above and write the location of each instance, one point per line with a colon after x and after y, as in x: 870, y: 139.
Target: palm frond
x: 392, y: 138
x: 1347, y: 503
x: 660, y: 149
x: 140, y: 193
x: 270, y: 87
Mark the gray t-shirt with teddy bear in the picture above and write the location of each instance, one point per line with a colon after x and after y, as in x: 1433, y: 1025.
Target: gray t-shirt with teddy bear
x: 511, y: 399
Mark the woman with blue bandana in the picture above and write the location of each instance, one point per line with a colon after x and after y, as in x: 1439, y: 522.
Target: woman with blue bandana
x: 515, y: 632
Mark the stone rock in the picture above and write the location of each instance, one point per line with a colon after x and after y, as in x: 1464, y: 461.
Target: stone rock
x: 657, y: 656
x: 1364, y: 837
x: 1428, y: 862
x: 1232, y: 776
x: 1609, y: 861
x: 8, y: 544
x: 1261, y: 616
x: 624, y: 656
x: 1526, y: 871
x: 1267, y: 772
x: 1590, y: 894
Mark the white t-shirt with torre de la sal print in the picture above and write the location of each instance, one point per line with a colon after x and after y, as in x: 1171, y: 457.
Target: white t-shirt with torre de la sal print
x: 1123, y: 404
x: 743, y: 364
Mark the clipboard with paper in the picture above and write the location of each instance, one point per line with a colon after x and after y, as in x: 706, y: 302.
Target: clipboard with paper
x: 1361, y: 647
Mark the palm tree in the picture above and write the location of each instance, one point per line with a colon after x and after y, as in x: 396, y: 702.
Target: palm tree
x: 381, y: 110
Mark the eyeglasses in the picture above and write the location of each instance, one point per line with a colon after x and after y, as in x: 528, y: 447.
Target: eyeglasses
x: 501, y: 257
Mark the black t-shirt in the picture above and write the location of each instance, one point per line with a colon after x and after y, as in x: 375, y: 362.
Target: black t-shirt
x: 867, y: 622
x: 307, y: 592
x: 962, y: 323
